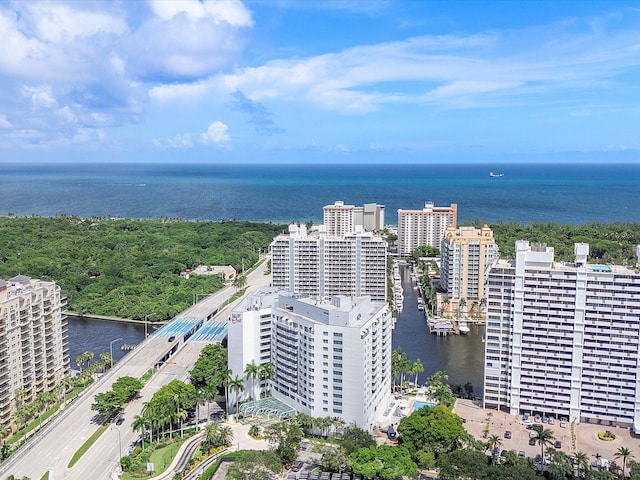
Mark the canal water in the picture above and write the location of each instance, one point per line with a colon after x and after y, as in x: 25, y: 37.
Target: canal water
x: 461, y: 357
x: 95, y: 335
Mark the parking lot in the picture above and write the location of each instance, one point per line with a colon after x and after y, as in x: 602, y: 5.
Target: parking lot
x: 587, y: 440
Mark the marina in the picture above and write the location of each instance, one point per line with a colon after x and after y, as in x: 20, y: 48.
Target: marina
x: 460, y: 356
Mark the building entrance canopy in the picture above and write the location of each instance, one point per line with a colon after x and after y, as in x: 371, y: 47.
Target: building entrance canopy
x: 270, y: 407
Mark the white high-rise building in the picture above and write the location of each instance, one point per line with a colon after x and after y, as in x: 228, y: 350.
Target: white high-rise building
x: 323, y: 265
x: 330, y: 358
x: 33, y: 341
x: 562, y: 339
x: 424, y: 227
x: 340, y: 219
x: 466, y: 255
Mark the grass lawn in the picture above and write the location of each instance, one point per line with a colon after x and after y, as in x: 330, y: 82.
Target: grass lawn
x: 87, y: 445
x: 161, y: 459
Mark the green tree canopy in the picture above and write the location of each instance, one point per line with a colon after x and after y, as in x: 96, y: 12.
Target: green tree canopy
x: 255, y: 465
x: 210, y: 367
x: 384, y: 461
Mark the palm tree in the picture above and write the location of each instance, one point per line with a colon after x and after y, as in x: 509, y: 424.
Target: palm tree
x: 483, y: 305
x: 625, y: 454
x: 252, y: 371
x: 582, y: 462
x: 545, y: 437
x: 266, y: 371
x: 236, y: 385
x: 106, y: 359
x: 445, y: 304
x: 226, y: 380
x: 493, y: 442
x: 140, y: 423
x: 462, y: 303
x: 240, y: 282
x: 225, y: 435
x: 417, y: 368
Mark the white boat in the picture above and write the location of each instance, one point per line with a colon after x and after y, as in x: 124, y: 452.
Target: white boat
x: 463, y: 327
x: 495, y: 175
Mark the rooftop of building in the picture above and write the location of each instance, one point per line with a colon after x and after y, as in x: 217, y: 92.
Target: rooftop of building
x: 338, y: 310
x: 20, y: 285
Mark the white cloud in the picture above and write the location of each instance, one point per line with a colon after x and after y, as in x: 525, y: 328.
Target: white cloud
x: 215, y: 134
x: 4, y: 123
x: 181, y: 141
x: 232, y: 12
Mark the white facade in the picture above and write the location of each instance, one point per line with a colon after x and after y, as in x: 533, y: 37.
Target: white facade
x: 33, y: 341
x: 563, y: 339
x: 466, y: 255
x: 424, y: 227
x: 330, y: 358
x: 323, y: 265
x: 340, y: 219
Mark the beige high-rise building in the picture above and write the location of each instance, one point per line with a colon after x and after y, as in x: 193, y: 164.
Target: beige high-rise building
x: 33, y: 341
x: 424, y: 227
x: 338, y: 218
x: 466, y: 255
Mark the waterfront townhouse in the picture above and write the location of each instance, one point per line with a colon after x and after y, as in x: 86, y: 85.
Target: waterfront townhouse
x: 562, y: 339
x: 466, y: 255
x: 322, y: 265
x: 330, y: 357
x: 340, y: 219
x: 424, y: 227
x: 33, y: 341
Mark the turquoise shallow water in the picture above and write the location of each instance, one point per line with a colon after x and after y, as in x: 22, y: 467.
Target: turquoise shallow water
x: 567, y: 193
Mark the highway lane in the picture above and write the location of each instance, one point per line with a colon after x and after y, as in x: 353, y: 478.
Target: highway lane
x: 55, y: 445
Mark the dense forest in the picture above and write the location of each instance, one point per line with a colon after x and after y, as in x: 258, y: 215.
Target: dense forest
x: 131, y: 268
x: 128, y: 268
x: 612, y: 243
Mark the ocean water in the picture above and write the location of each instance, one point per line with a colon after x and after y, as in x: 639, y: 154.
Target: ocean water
x: 564, y: 193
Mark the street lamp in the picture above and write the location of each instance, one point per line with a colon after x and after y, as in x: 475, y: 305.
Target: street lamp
x: 111, y: 348
x: 146, y: 317
x: 119, y: 446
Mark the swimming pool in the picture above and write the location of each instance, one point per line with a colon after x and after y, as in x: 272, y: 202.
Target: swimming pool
x: 419, y: 405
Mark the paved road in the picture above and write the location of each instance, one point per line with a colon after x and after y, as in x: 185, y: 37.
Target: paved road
x: 54, y: 446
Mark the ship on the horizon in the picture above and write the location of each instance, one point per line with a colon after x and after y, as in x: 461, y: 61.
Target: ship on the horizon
x: 491, y: 174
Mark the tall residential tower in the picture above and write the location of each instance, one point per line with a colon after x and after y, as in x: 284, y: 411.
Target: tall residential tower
x: 33, y: 341
x: 330, y: 357
x: 424, y: 227
x: 562, y: 339
x: 323, y: 265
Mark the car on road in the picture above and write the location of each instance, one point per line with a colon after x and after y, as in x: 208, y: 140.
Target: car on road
x: 172, y: 338
x: 119, y: 420
x: 297, y: 465
x: 563, y: 423
x: 507, y: 434
x: 558, y: 444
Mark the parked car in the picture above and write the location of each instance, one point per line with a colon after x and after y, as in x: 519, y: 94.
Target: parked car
x: 545, y: 420
x: 536, y: 419
x: 297, y: 465
x: 533, y: 434
x: 507, y: 434
x: 558, y: 444
x: 521, y: 454
x: 551, y: 421
x: 538, y: 458
x: 532, y: 441
x: 563, y: 423
x: 119, y: 420
x: 496, y: 452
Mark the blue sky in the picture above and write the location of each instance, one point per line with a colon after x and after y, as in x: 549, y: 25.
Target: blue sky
x: 320, y: 81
